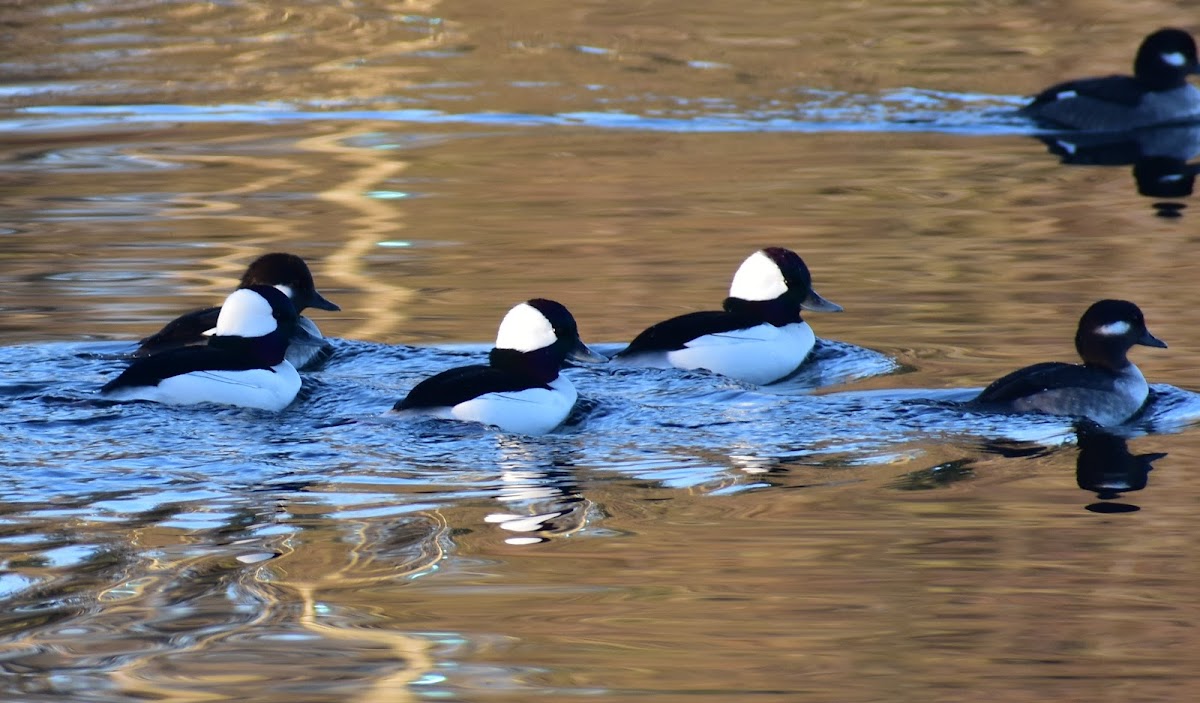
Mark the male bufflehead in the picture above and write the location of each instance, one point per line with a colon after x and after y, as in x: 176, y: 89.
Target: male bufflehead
x: 520, y: 389
x: 758, y: 337
x: 1157, y: 93
x: 242, y: 364
x: 288, y: 273
x: 1107, y: 388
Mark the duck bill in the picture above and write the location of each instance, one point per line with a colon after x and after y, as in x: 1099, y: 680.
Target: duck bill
x: 319, y: 302
x: 816, y: 303
x: 1151, y: 341
x: 581, y: 353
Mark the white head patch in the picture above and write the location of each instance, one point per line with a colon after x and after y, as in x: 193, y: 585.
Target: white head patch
x: 525, y: 329
x: 1113, y: 329
x: 1174, y: 58
x: 758, y: 278
x: 286, y: 290
x: 245, y: 314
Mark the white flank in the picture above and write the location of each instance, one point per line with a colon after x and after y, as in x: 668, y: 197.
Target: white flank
x: 758, y: 355
x: 758, y: 278
x: 525, y: 329
x: 1066, y: 146
x: 534, y: 411
x: 1174, y: 58
x: 245, y: 314
x: 1066, y: 94
x: 256, y: 388
x: 1113, y: 329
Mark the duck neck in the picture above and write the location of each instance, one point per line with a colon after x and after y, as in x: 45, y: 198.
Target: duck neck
x: 541, y: 365
x: 266, y: 351
x: 778, y: 312
x: 1102, y: 353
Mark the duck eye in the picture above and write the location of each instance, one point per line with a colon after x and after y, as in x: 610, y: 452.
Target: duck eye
x: 1174, y: 58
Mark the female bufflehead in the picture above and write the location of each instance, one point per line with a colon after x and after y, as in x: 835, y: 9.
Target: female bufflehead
x: 758, y: 337
x: 242, y: 364
x: 1107, y: 388
x: 1157, y: 93
x: 520, y: 389
x: 288, y: 273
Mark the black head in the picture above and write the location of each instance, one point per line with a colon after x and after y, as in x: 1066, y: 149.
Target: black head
x: 290, y: 271
x: 1108, y: 330
x: 539, y: 336
x: 774, y: 283
x: 1165, y: 59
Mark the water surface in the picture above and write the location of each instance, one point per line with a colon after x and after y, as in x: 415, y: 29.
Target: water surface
x: 848, y: 535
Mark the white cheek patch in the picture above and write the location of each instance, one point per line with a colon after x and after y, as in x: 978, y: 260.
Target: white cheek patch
x: 245, y: 314
x: 525, y: 329
x: 1066, y: 94
x: 286, y: 290
x: 1174, y: 58
x: 758, y: 278
x: 1114, y: 329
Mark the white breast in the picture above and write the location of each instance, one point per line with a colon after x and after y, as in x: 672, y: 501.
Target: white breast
x: 255, y: 388
x: 533, y: 411
x: 759, y: 355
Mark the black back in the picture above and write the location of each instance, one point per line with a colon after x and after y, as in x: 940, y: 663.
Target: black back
x: 458, y: 385
x: 184, y: 330
x: 675, y: 333
x: 1121, y: 90
x: 1037, y: 378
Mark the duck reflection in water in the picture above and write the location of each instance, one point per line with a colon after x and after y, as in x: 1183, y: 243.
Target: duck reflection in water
x: 1106, y: 466
x: 1160, y: 158
x: 540, y: 493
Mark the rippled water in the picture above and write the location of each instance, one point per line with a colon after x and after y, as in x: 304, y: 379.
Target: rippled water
x: 850, y: 534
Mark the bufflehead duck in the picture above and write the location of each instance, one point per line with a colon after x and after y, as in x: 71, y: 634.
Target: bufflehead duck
x: 242, y: 364
x: 1157, y: 93
x: 288, y: 273
x: 758, y: 337
x: 1107, y: 388
x: 520, y: 389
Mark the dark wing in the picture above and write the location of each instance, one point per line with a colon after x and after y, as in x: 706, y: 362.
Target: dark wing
x: 1122, y: 90
x: 1031, y: 380
x: 183, y: 331
x: 675, y: 333
x: 175, y: 362
x: 449, y: 388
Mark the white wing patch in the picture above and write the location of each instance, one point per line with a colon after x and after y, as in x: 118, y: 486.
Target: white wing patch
x: 1064, y: 95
